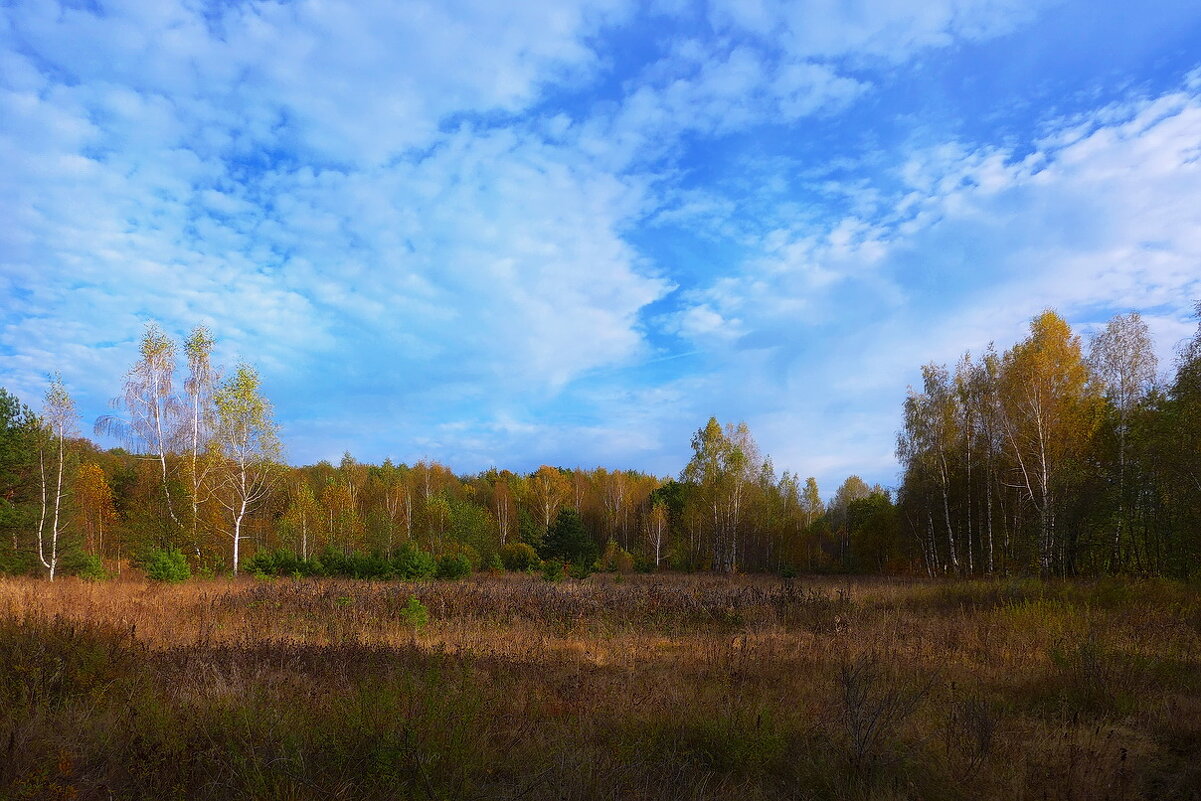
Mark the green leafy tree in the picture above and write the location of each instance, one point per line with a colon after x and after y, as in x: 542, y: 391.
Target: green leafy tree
x: 568, y: 540
x: 724, y: 463
x: 875, y: 533
x: 248, y: 449
x: 18, y: 462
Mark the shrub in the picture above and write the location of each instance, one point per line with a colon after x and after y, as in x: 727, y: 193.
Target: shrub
x: 415, y: 614
x: 278, y: 563
x: 87, y: 566
x: 411, y: 563
x: 519, y: 556
x: 462, y: 549
x: 368, y: 566
x: 615, y: 559
x: 454, y: 566
x: 166, y: 564
x: 552, y: 570
x: 644, y: 564
x: 874, y: 704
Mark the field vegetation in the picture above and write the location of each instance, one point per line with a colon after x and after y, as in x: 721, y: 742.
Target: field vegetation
x: 665, y: 686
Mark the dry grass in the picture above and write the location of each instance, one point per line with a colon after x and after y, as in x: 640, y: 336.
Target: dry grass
x: 646, y: 687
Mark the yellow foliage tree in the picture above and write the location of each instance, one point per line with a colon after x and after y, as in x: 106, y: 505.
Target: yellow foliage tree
x: 1051, y: 412
x: 96, y: 511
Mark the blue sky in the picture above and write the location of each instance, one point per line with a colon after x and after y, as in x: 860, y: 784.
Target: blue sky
x: 568, y: 232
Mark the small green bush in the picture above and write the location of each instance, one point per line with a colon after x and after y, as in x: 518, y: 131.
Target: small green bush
x: 369, y: 566
x: 277, y: 563
x: 415, y: 614
x: 518, y: 556
x: 552, y: 570
x: 462, y: 549
x: 454, y: 566
x: 86, y: 566
x: 166, y: 564
x: 644, y: 564
x: 411, y: 563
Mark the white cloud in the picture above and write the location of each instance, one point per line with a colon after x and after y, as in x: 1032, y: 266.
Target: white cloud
x: 976, y: 242
x: 421, y: 224
x: 711, y: 89
x: 157, y: 165
x: 885, y: 29
x: 356, y: 82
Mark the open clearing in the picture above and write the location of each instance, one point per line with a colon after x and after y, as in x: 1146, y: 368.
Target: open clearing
x: 663, y: 686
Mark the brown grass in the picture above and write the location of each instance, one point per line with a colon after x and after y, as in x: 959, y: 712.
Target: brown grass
x: 643, y: 687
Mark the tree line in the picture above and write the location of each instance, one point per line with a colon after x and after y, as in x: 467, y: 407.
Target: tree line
x: 1056, y: 456
x: 1044, y: 458
x: 201, y: 472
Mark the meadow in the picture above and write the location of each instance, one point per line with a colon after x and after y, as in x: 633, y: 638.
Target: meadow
x: 617, y: 686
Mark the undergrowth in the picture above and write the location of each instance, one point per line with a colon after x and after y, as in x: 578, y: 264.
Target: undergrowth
x: 653, y: 687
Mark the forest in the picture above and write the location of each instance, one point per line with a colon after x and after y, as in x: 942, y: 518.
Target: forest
x: 1055, y: 456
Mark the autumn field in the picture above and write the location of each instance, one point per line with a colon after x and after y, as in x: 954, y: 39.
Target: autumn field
x: 665, y: 686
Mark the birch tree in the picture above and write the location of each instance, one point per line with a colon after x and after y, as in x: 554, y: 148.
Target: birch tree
x: 656, y: 527
x: 199, y: 389
x: 302, y: 514
x: 929, y: 438
x: 1049, y: 417
x: 548, y: 491
x: 981, y: 394
x: 722, y: 464
x: 504, y: 510
x: 1123, y: 362
x: 246, y: 441
x: 151, y: 410
x: 812, y: 506
x: 58, y: 415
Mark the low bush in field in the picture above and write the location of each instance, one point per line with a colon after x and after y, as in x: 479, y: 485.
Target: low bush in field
x: 415, y: 614
x: 552, y: 570
x: 454, y: 566
x: 519, y: 556
x: 278, y: 563
x: 86, y: 566
x: 411, y: 563
x: 166, y: 564
x: 615, y: 559
x: 408, y: 563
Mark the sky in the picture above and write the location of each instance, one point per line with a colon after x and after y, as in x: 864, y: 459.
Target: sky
x: 567, y: 233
